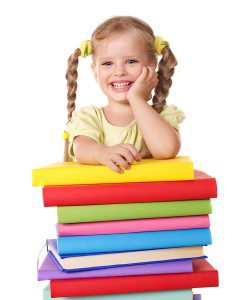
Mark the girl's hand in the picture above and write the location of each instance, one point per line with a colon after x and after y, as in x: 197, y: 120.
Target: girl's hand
x: 144, y: 84
x: 119, y: 155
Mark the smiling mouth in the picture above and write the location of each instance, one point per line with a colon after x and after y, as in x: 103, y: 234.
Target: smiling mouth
x: 121, y: 85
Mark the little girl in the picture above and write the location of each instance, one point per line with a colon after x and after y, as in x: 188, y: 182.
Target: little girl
x: 124, y: 59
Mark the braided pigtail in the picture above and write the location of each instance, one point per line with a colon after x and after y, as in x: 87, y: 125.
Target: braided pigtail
x: 71, y: 76
x: 165, y: 72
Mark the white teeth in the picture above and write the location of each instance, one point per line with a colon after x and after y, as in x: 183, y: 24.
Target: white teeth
x: 121, y: 85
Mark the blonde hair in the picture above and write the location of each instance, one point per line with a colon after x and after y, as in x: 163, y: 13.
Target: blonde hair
x: 114, y: 26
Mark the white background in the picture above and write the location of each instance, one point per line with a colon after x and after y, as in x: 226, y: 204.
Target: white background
x: 209, y: 39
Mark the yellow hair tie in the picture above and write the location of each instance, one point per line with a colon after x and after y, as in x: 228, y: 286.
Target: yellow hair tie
x: 66, y: 135
x: 159, y: 44
x: 85, y: 48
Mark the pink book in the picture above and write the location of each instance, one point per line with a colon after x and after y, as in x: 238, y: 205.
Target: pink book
x: 140, y: 225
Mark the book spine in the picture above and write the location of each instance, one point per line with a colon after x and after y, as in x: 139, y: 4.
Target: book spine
x: 129, y: 192
x: 162, y: 295
x: 133, y: 241
x: 70, y: 173
x: 109, y: 212
x: 132, y: 284
x: 141, y: 225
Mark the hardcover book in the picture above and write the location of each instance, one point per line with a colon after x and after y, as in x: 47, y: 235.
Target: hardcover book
x: 69, y: 173
x: 203, y: 275
x: 164, y: 295
x: 51, y: 270
x: 140, y: 225
x: 107, y: 243
x: 131, y: 211
x: 110, y: 260
x: 202, y: 187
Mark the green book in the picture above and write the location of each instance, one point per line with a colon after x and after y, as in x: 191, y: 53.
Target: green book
x: 132, y: 211
x: 161, y: 295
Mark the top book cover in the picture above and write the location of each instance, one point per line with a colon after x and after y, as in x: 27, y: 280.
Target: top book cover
x: 148, y: 170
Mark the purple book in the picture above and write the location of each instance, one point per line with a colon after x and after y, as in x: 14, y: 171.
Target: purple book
x: 197, y: 297
x: 49, y: 270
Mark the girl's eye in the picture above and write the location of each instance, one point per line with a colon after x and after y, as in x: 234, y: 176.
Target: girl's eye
x: 131, y: 61
x: 107, y: 63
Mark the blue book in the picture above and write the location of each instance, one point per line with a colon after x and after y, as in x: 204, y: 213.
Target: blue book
x: 110, y: 243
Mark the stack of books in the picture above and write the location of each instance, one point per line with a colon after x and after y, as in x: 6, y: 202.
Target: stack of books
x: 136, y: 235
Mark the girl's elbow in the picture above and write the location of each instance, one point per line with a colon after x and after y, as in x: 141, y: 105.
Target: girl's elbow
x: 165, y: 156
x: 168, y: 153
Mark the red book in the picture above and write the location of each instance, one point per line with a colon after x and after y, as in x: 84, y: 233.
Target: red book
x: 202, y: 187
x: 204, y: 275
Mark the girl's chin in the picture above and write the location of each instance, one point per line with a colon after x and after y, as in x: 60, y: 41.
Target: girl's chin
x: 119, y: 96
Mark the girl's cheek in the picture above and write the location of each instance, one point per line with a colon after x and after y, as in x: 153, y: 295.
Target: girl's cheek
x: 137, y: 72
x: 103, y: 70
x: 102, y: 75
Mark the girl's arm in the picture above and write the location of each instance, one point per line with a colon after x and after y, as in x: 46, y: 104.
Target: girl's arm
x: 88, y: 151
x: 161, y: 138
x: 144, y: 152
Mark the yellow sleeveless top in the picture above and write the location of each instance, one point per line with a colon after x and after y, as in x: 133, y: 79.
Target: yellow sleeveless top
x: 90, y: 121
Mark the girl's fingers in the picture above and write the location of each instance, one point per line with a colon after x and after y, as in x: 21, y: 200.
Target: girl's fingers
x: 133, y: 150
x: 154, y: 79
x: 144, y: 69
x: 148, y: 73
x: 143, y: 72
x: 152, y: 75
x: 126, y: 153
x: 155, y: 82
x: 113, y: 166
x: 117, y: 158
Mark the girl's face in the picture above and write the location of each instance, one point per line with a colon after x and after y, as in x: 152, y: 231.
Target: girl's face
x: 118, y: 63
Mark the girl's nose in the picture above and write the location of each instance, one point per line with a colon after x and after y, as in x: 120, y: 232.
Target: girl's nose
x: 120, y: 70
